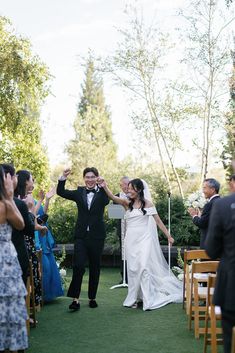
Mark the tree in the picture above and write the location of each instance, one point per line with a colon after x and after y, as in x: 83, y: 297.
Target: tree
x: 228, y: 154
x: 207, y: 56
x: 137, y: 66
x: 93, y: 144
x: 23, y: 79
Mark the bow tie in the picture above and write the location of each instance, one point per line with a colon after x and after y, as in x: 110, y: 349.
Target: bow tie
x: 90, y: 190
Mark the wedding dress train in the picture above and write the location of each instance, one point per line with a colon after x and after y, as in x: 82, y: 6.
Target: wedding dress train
x: 149, y: 278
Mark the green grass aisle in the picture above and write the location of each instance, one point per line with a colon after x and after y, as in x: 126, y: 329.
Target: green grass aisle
x: 111, y: 328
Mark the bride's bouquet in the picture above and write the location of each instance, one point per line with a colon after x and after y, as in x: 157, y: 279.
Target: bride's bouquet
x: 196, y: 200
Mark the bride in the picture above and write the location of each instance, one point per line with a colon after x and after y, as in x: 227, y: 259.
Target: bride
x: 149, y: 280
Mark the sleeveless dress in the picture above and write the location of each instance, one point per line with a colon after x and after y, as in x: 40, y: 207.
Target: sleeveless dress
x: 13, y: 313
x: 149, y: 278
x: 52, y: 286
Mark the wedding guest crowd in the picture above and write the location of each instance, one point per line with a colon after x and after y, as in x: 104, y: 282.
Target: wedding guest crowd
x: 18, y: 224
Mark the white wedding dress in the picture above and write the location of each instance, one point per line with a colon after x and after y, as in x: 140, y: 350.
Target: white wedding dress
x: 149, y: 279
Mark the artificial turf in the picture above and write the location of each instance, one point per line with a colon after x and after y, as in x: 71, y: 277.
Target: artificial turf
x: 111, y: 328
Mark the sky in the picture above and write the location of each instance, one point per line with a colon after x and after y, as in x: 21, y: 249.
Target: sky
x: 60, y: 32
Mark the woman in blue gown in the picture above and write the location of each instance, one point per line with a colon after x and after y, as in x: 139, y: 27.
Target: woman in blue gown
x: 52, y: 286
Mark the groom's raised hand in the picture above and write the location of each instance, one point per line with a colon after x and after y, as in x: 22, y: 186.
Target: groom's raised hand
x: 66, y: 172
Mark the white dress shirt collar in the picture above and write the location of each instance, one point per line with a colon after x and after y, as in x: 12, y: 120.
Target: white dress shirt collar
x: 213, y: 197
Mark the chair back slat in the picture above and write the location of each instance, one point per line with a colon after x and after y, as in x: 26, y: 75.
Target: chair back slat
x: 205, y: 266
x: 195, y: 254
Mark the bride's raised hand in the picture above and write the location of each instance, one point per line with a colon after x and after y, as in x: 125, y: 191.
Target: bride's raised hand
x: 51, y: 193
x: 101, y: 182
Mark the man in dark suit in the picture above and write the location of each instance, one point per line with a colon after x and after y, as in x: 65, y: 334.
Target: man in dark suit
x: 220, y: 243
x: 18, y: 236
x: 211, y: 191
x: 89, y: 233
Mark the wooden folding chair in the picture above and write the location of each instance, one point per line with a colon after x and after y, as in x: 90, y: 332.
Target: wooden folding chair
x: 233, y: 341
x: 198, y: 293
x: 190, y: 255
x: 213, y: 334
x: 30, y: 299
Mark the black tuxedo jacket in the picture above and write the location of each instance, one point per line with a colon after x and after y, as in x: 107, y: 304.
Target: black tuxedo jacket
x: 18, y: 236
x: 220, y: 243
x: 93, y: 217
x: 202, y: 222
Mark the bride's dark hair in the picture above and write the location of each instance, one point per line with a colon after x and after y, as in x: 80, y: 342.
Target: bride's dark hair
x: 138, y: 186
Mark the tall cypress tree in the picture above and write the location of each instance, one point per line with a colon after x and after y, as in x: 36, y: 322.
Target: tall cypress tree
x: 93, y: 143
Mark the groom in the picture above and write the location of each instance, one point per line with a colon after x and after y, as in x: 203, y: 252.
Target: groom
x: 89, y: 233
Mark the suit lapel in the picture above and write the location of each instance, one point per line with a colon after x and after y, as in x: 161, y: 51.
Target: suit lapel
x: 84, y: 197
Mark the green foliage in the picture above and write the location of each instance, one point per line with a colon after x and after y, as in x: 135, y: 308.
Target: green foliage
x: 112, y: 240
x: 63, y: 215
x: 61, y: 256
x: 22, y: 78
x: 23, y: 88
x: 182, y: 228
x: 180, y: 261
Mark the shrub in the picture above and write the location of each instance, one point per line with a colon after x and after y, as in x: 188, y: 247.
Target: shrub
x: 63, y: 214
x: 182, y: 228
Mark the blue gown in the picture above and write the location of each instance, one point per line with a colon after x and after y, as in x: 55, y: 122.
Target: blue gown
x: 52, y: 286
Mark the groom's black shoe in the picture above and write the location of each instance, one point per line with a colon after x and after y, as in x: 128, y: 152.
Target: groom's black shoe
x: 92, y: 303
x: 74, y: 306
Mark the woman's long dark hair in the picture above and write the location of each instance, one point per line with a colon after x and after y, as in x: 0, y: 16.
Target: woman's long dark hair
x: 138, y: 186
x: 23, y: 176
x: 2, y: 187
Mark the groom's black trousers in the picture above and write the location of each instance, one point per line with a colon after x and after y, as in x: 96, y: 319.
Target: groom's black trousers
x: 91, y: 250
